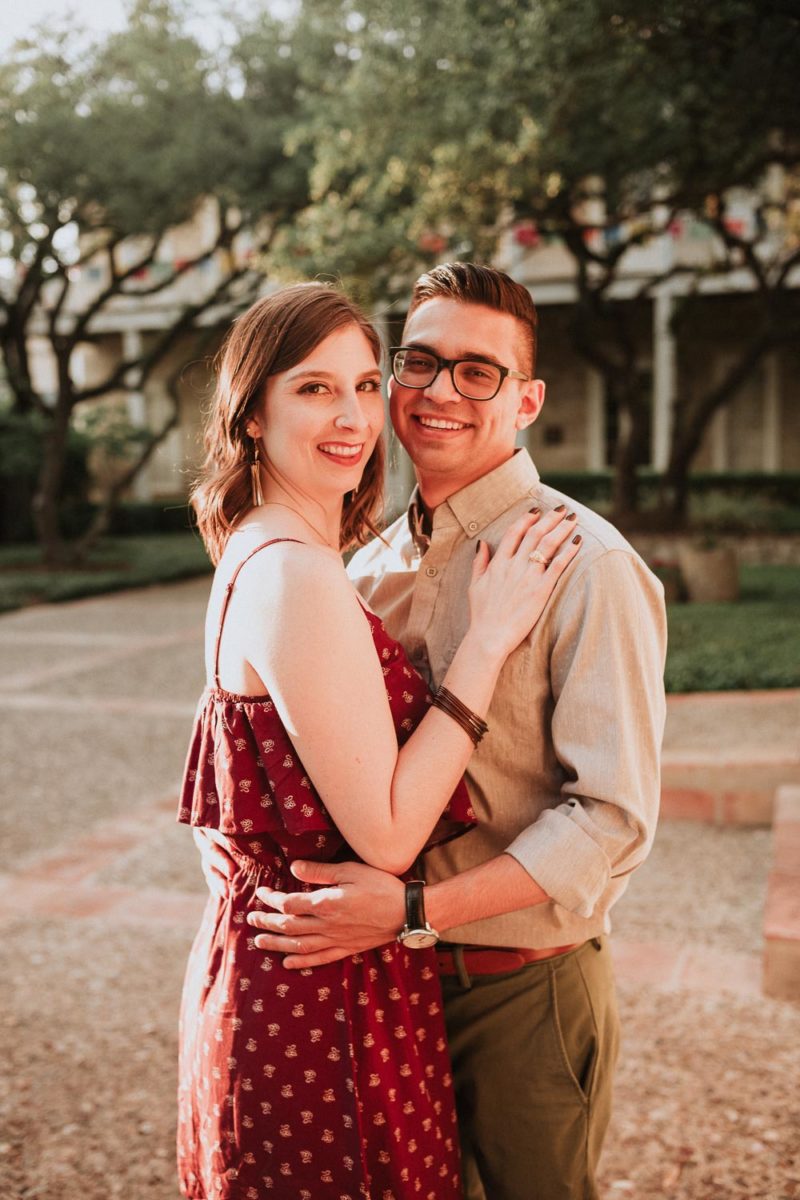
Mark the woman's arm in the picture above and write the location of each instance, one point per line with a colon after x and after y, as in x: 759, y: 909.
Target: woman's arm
x: 310, y: 643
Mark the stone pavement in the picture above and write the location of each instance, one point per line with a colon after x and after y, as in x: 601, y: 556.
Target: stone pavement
x: 100, y: 889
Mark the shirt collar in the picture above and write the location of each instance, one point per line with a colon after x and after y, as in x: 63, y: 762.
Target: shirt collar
x: 482, y: 502
x: 418, y: 523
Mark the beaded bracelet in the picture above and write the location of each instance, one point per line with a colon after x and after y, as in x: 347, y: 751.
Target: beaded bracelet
x: 473, y: 725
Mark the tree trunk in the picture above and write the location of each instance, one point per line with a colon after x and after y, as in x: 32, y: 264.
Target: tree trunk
x: 625, y: 487
x: 673, y: 495
x: 56, y: 551
x: 46, y: 515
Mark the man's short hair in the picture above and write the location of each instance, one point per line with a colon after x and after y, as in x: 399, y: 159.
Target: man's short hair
x: 473, y: 284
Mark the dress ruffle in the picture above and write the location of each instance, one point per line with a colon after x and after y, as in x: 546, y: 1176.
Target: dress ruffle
x: 244, y: 778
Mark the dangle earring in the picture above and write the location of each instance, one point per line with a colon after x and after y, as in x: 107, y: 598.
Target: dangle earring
x: 255, y: 477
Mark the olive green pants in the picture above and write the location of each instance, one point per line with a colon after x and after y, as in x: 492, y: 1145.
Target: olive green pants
x: 533, y: 1055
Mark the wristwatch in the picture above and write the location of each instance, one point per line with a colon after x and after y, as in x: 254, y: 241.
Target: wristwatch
x: 417, y: 934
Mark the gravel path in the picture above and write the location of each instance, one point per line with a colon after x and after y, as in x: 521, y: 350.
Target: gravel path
x: 94, y: 724
x: 707, y: 1099
x: 700, y: 884
x: 89, y: 1042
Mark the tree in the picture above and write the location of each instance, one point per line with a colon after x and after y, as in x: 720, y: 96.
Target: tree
x: 108, y: 149
x: 597, y: 121
x: 680, y: 108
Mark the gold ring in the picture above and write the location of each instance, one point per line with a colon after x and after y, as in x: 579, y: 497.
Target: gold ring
x: 537, y: 557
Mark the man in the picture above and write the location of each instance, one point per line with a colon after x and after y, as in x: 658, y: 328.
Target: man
x: 565, y: 784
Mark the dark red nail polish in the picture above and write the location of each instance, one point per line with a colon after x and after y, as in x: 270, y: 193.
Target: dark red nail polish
x: 577, y: 539
x: 570, y: 517
x: 560, y: 508
x: 478, y: 547
x: 535, y: 512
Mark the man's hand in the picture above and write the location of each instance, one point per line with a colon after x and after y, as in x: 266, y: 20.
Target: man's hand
x: 218, y: 866
x: 357, y: 908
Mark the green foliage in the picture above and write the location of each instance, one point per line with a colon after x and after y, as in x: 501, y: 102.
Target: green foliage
x: 431, y: 125
x: 132, y: 132
x: 21, y: 451
x: 754, y: 643
x: 652, y: 91
x: 389, y: 190
x: 20, y: 444
x: 115, y: 564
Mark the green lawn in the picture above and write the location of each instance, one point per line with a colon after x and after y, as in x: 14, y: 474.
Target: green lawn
x: 754, y: 643
x: 118, y: 562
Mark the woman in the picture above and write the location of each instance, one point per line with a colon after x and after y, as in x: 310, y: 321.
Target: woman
x: 333, y: 1082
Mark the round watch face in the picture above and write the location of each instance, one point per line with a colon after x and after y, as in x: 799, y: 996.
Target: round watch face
x: 419, y: 939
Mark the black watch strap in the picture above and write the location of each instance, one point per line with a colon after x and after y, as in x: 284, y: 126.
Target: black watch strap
x: 415, y: 904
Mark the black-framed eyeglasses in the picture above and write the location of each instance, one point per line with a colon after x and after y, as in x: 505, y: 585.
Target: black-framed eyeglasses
x: 473, y: 378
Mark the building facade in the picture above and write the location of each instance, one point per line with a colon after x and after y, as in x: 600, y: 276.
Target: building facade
x: 678, y: 360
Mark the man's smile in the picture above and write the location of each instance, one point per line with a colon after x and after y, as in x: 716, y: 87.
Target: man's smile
x: 428, y: 422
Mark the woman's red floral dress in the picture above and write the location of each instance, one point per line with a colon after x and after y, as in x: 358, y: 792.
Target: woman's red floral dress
x: 324, y: 1084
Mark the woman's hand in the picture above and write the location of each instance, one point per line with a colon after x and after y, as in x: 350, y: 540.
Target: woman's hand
x: 508, y: 592
x: 218, y: 866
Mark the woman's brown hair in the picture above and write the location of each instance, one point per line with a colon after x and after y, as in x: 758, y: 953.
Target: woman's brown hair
x: 274, y: 335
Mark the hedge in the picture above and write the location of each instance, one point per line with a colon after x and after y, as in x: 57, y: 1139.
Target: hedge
x: 588, y: 487
x: 129, y: 519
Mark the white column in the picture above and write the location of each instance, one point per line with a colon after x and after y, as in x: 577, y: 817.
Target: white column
x: 595, y: 421
x: 132, y: 349
x: 664, y: 380
x: 772, y: 413
x: 400, y: 477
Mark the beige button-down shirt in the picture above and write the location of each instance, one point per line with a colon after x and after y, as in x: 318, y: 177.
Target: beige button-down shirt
x: 567, y: 778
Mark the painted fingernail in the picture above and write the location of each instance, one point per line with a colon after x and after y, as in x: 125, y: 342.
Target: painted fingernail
x: 570, y: 517
x: 478, y: 546
x: 560, y: 508
x: 577, y: 539
x: 535, y: 512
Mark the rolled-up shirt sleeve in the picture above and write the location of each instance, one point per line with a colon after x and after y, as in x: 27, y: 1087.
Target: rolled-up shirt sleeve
x: 606, y: 674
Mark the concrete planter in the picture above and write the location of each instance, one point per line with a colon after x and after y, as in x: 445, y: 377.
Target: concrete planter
x: 711, y: 574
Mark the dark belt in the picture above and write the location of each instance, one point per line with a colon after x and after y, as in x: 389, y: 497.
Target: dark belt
x: 491, y: 960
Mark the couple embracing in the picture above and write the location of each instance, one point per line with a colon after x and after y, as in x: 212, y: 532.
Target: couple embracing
x: 418, y: 785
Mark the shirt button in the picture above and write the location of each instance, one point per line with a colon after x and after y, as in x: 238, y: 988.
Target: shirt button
x: 473, y: 527
x: 431, y: 571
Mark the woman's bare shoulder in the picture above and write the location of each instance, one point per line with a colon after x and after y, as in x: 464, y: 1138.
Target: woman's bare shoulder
x: 286, y: 563
x: 292, y: 583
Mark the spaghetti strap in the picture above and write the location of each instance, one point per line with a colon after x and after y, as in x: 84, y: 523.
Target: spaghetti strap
x: 229, y: 592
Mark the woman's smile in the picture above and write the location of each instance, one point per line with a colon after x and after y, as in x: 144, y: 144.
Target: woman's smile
x: 345, y: 453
